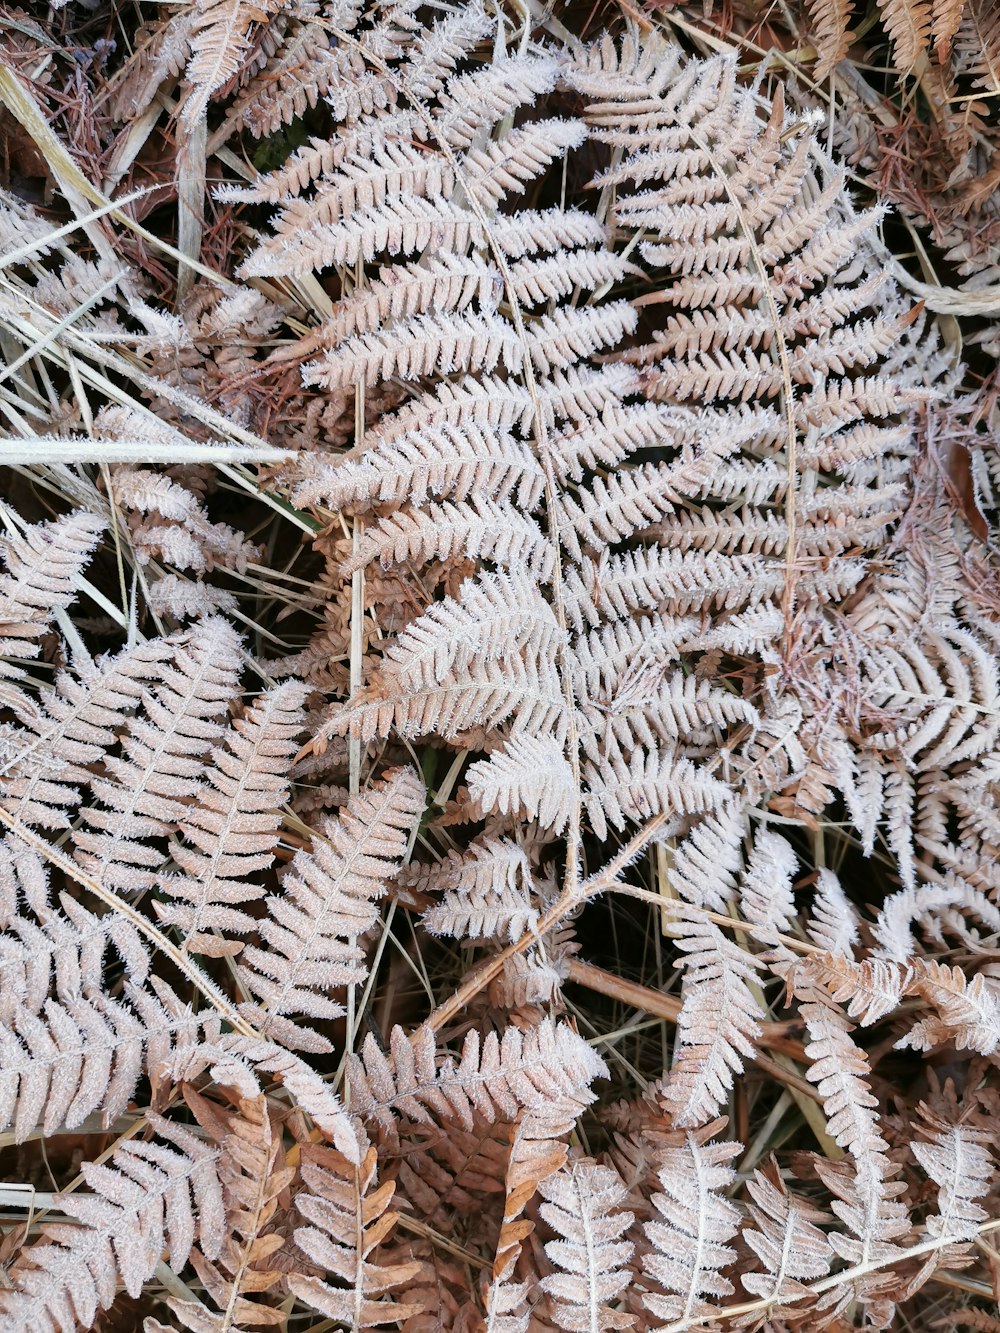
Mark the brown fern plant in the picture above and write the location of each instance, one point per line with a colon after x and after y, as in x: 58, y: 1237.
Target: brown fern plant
x: 629, y: 561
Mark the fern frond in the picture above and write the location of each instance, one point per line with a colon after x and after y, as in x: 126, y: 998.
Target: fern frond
x: 718, y: 192
x: 349, y: 1220
x: 237, y: 1062
x: 443, y: 282
x: 865, y: 1199
x: 627, y: 655
x: 718, y: 1023
x: 487, y: 891
x: 84, y: 1053
x: 437, y: 50
x: 967, y: 1012
x: 558, y: 341
x: 522, y: 688
x: 479, y: 528
x: 43, y: 569
x: 970, y: 1320
x: 456, y: 461
x: 636, y: 713
x: 538, y: 280
x: 44, y: 944
x: 494, y: 1076
x: 927, y: 907
x: 908, y: 23
x: 538, y: 1150
x: 766, y: 900
x: 253, y: 1175
x: 160, y: 52
x: 419, y: 346
x: 841, y: 1072
x: 706, y: 863
x: 648, y: 578
x: 899, y: 792
x: 162, y: 759
x: 482, y: 401
x: 876, y: 1220
x: 615, y: 432
x: 583, y: 1206
x: 306, y: 68
x: 490, y: 93
x: 957, y: 1158
x: 175, y: 527
x: 536, y: 976
x: 545, y: 231
x: 643, y: 785
x: 448, y: 1179
x: 319, y: 158
x: 504, y: 168
x: 692, y: 1226
x: 391, y: 171
x: 495, y: 615
x: 833, y: 923
x: 528, y: 773
x: 871, y: 989
x: 830, y: 20
x: 68, y: 729
x: 785, y: 1238
x: 402, y: 226
x: 149, y: 1199
x: 327, y: 903
x: 220, y: 40
x: 231, y: 830
x: 977, y: 44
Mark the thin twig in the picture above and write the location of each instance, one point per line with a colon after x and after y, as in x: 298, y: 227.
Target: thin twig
x: 567, y: 902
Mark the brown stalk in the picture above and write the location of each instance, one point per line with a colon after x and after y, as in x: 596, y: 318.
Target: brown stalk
x: 668, y: 1008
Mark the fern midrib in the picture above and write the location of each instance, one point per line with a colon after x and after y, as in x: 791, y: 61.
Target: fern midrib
x: 700, y: 1236
x: 593, y: 1272
x: 787, y: 393
x: 573, y: 837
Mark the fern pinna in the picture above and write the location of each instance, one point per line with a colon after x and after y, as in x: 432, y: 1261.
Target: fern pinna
x: 580, y: 370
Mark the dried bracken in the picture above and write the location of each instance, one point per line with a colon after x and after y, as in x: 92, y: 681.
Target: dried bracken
x: 492, y: 546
